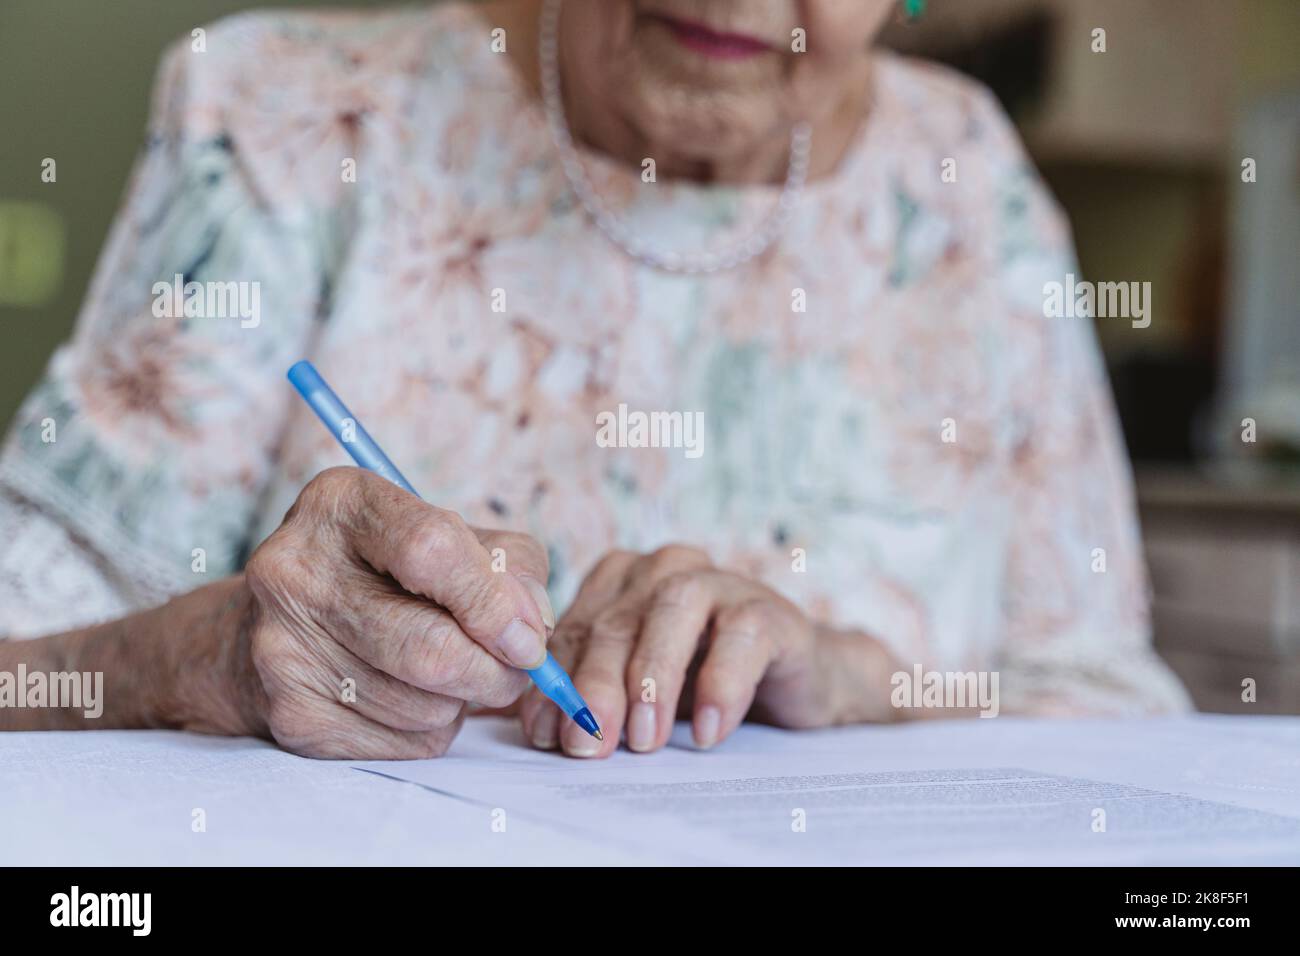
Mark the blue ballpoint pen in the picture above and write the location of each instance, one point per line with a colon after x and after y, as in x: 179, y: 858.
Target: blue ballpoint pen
x: 550, y: 677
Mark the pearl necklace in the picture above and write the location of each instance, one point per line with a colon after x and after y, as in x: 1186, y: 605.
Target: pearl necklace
x: 738, y: 253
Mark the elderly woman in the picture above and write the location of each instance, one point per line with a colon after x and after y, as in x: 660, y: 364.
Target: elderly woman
x: 512, y: 234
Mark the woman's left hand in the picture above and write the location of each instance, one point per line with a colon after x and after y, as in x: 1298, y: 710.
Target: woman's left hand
x: 651, y: 637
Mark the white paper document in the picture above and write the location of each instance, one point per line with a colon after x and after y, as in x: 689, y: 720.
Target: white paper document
x: 941, y: 792
x: 1200, y: 790
x: 968, y: 792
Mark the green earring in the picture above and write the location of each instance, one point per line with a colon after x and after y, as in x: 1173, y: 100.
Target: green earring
x: 913, y: 9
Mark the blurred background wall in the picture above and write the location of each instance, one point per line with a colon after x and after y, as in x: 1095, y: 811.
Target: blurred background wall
x: 1143, y: 144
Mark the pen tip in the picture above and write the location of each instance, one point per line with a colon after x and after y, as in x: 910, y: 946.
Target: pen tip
x: 587, y: 722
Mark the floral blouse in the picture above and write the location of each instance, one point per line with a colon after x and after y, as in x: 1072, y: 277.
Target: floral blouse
x: 894, y: 436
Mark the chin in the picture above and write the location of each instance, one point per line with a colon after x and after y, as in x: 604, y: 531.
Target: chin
x: 704, y: 118
x: 706, y: 125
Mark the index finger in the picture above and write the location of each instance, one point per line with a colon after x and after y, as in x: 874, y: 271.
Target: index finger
x: 433, y: 553
x: 523, y: 556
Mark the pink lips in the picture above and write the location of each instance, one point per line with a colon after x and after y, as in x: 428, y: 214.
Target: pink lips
x: 711, y: 43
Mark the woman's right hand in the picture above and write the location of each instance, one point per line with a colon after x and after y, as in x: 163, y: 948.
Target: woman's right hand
x: 374, y: 618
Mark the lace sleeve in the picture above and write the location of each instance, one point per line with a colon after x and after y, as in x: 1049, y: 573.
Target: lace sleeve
x: 50, y: 581
x: 155, y: 429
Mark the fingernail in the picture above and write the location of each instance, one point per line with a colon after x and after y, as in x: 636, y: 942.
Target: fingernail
x: 546, y: 728
x: 521, y: 645
x: 641, y: 727
x: 542, y: 600
x: 707, y: 723
x: 579, y: 743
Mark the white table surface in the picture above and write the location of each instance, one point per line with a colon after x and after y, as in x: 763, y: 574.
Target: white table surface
x: 128, y: 797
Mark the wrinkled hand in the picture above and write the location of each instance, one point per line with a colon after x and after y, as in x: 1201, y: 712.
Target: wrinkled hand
x: 649, y: 636
x: 375, y: 618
